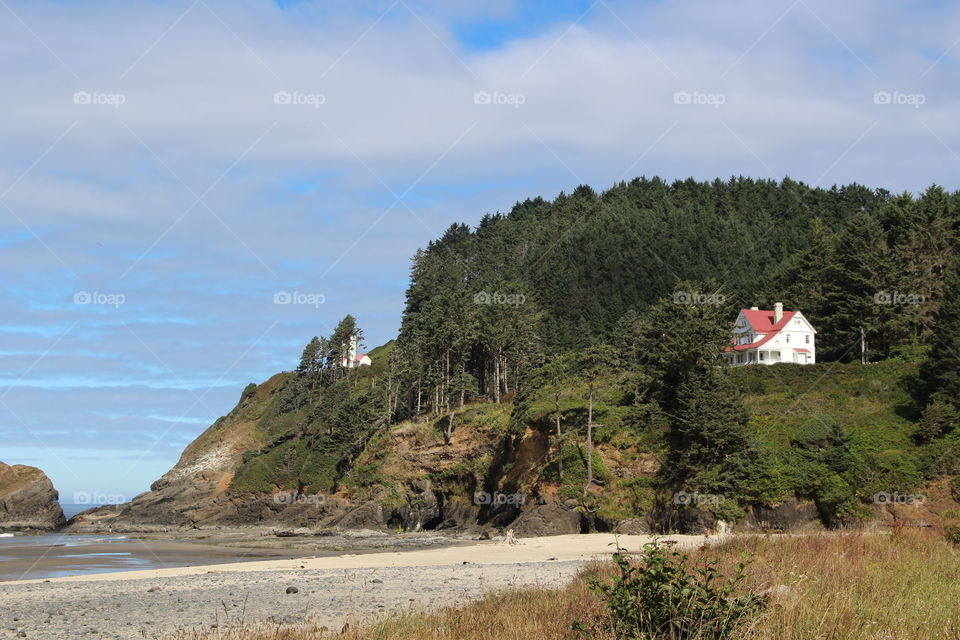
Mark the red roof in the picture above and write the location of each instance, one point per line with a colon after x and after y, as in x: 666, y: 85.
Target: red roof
x: 762, y: 322
x: 802, y: 350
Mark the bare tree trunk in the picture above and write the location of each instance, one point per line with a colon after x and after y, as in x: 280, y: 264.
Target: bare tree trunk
x: 496, y: 378
x: 589, y: 443
x: 559, y: 440
x: 506, y: 387
x: 449, y: 432
x: 463, y: 397
x: 419, y: 394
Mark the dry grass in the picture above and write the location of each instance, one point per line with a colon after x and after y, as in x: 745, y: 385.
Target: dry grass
x: 852, y: 586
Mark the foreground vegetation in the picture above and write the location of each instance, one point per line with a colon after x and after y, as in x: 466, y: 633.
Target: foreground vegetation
x: 592, y: 369
x: 851, y: 586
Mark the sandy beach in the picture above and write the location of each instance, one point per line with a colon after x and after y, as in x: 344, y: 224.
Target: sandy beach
x: 326, y: 590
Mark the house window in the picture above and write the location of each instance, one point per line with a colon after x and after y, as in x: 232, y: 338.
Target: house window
x: 806, y: 339
x: 788, y: 338
x: 761, y: 355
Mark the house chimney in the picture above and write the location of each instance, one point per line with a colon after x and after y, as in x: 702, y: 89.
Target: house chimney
x: 754, y: 308
x: 777, y: 312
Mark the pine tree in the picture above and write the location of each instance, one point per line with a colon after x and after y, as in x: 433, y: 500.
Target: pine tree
x: 709, y: 436
x: 940, y: 374
x: 802, y: 282
x: 860, y: 287
x: 594, y: 362
x: 310, y: 360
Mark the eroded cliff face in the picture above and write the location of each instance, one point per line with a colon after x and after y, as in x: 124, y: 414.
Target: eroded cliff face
x: 407, y: 478
x: 28, y: 499
x: 252, y: 467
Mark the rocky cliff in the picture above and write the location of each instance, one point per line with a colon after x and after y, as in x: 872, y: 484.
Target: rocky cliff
x: 318, y: 461
x: 28, y: 499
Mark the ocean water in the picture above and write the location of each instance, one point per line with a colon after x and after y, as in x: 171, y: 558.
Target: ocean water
x: 55, y: 555
x: 70, y: 509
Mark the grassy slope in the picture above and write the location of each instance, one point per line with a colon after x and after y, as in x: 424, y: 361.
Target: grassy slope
x: 849, y: 586
x: 787, y: 403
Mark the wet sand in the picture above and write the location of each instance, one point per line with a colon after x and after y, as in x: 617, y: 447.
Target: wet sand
x: 57, y: 555
x: 61, y: 559
x: 327, y: 591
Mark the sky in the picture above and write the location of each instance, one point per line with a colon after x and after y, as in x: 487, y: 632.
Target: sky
x: 190, y: 190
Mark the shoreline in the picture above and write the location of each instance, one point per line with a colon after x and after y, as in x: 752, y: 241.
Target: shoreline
x: 323, y: 591
x: 47, y: 556
x: 563, y: 548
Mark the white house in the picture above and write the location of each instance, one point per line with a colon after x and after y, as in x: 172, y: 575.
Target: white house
x: 768, y: 337
x: 353, y: 358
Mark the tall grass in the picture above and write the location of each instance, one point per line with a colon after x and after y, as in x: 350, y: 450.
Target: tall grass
x: 838, y: 586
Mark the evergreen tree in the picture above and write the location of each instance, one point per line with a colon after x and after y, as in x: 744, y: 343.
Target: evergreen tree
x: 940, y: 374
x: 592, y: 364
x: 860, y: 286
x: 710, y: 447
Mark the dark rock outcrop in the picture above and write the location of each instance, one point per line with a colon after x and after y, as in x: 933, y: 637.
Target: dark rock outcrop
x: 547, y: 520
x: 28, y: 499
x: 790, y: 515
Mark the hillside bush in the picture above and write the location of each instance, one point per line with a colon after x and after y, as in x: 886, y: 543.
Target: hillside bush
x: 661, y: 598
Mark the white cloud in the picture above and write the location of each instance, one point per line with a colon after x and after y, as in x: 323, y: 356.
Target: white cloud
x: 584, y: 102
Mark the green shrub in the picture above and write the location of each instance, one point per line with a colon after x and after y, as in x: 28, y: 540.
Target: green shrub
x: 952, y: 534
x: 662, y: 598
x: 955, y: 488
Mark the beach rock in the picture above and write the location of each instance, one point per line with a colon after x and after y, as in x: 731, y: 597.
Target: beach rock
x: 632, y: 527
x: 547, y: 520
x: 293, y: 590
x: 28, y: 499
x: 787, y: 516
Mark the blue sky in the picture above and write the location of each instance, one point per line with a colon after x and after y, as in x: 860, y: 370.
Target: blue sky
x: 168, y: 168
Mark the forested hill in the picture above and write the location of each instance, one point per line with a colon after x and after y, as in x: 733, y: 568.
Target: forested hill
x: 583, y: 262
x: 571, y: 352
